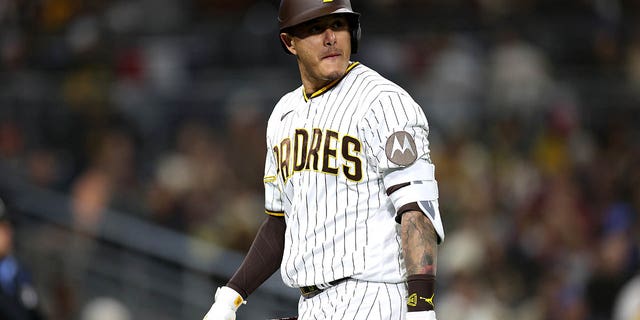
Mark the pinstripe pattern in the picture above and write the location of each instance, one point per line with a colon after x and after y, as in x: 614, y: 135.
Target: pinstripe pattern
x: 357, y: 300
x: 340, y: 223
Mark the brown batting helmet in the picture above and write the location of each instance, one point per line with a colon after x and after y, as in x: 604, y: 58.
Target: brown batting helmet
x: 294, y: 12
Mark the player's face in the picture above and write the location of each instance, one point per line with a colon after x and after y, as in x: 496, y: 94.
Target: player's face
x: 323, y: 49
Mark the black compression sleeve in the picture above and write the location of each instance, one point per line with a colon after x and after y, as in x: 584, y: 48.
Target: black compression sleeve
x: 263, y: 258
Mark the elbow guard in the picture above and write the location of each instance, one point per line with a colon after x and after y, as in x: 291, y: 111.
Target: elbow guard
x: 415, y: 188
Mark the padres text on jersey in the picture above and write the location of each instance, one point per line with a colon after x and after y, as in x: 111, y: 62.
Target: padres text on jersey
x: 320, y: 151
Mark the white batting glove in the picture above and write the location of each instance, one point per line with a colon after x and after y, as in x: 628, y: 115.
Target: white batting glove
x: 421, y: 315
x: 226, y: 303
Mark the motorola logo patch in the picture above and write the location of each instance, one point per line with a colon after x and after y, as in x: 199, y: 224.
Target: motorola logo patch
x: 401, y: 148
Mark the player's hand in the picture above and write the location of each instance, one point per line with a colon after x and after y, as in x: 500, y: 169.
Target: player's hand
x: 226, y: 303
x: 421, y: 315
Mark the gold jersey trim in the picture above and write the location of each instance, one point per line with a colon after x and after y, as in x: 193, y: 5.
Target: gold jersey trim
x: 274, y: 213
x: 328, y: 86
x: 268, y: 179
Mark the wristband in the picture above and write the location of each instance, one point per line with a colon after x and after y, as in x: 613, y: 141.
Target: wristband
x: 229, y: 297
x: 421, y: 292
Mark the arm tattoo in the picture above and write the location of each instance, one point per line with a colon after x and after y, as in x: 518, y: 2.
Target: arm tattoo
x: 419, y: 243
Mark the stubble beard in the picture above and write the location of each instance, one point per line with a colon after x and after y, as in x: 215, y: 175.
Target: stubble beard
x: 334, y: 76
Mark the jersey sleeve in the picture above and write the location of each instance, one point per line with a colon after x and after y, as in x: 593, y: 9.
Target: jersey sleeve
x: 396, y: 133
x: 272, y: 192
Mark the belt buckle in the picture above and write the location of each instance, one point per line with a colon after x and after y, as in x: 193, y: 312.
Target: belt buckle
x: 314, y: 290
x: 310, y: 291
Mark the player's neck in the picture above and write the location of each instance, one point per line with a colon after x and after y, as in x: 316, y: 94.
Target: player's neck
x: 314, y: 86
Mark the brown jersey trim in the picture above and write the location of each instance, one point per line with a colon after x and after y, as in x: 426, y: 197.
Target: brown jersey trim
x: 395, y: 188
x: 411, y: 206
x: 263, y: 259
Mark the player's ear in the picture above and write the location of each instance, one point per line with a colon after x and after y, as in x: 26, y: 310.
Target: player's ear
x: 287, y: 40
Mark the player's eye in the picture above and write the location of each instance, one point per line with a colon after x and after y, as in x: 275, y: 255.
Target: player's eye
x: 338, y: 25
x: 318, y: 27
x: 315, y: 29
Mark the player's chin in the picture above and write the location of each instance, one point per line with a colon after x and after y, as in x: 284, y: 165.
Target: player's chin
x: 334, y: 71
x: 334, y: 75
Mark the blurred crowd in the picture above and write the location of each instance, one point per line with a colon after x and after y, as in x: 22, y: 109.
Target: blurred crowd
x: 157, y: 108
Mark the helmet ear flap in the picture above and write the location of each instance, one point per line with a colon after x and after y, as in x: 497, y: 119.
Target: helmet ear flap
x: 355, y: 38
x: 356, y: 31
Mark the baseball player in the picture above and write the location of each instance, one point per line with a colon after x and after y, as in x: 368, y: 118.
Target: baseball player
x: 350, y: 190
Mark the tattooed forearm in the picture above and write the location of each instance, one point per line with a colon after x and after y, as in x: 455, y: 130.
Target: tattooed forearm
x: 419, y: 243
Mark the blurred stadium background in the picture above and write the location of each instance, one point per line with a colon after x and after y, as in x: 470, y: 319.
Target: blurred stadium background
x: 132, y: 147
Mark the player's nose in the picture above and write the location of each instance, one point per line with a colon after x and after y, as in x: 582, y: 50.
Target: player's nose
x: 329, y: 37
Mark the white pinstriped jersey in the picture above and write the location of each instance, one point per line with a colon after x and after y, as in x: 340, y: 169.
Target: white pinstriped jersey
x: 327, y: 160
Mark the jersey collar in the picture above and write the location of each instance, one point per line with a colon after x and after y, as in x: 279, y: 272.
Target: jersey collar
x: 328, y: 86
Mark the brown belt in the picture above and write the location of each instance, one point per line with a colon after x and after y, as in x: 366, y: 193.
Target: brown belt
x: 312, y: 291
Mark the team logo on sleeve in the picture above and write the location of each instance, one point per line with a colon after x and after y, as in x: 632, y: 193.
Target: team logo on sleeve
x: 401, y: 148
